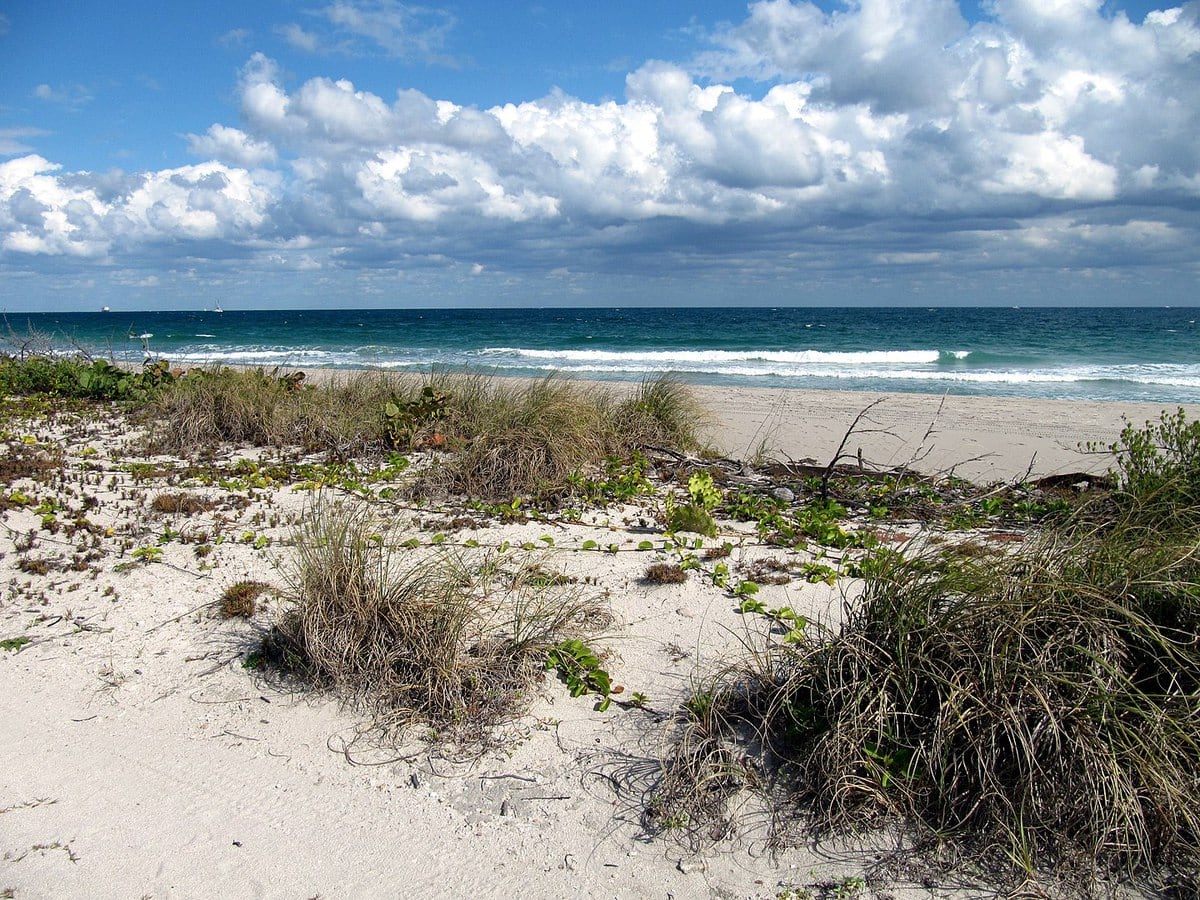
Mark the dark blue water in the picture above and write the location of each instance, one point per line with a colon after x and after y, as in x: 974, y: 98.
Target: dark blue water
x: 1108, y: 354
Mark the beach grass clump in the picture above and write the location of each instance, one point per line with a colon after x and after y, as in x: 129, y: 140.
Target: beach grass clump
x: 1039, y: 708
x: 662, y: 412
x: 503, y: 438
x: 527, y: 439
x: 211, y: 405
x: 208, y: 406
x: 445, y: 639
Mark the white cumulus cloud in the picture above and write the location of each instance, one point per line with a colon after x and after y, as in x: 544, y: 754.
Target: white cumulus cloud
x: 883, y: 133
x: 231, y: 145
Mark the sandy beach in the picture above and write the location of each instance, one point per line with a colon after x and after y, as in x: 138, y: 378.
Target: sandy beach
x: 141, y: 757
x: 979, y: 438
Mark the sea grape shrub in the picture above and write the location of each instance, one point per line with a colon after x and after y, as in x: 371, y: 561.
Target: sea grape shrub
x: 409, y: 423
x: 80, y: 379
x: 1159, y: 464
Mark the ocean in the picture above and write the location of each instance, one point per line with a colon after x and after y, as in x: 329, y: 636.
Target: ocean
x: 1096, y: 354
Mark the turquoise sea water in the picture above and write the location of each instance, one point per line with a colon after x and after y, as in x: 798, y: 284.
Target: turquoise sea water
x: 1106, y: 354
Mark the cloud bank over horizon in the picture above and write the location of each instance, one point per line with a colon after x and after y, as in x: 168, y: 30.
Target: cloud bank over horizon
x: 798, y: 152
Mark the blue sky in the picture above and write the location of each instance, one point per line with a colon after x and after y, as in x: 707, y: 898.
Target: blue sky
x: 376, y: 153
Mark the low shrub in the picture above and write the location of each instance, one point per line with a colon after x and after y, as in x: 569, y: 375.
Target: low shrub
x: 80, y: 378
x: 1158, y: 466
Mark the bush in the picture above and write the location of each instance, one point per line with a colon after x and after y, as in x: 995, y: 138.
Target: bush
x: 1159, y: 464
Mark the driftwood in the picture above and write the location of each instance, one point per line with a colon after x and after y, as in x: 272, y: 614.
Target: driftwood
x: 1071, y: 479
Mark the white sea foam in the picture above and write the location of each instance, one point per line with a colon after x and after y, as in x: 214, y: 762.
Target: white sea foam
x: 779, y: 368
x: 704, y: 359
x: 251, y: 355
x: 1188, y: 377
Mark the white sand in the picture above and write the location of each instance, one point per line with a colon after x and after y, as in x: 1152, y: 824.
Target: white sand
x: 981, y: 438
x: 139, y: 758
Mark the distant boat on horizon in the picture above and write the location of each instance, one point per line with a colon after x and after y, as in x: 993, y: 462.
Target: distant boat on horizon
x: 217, y: 308
x: 104, y: 309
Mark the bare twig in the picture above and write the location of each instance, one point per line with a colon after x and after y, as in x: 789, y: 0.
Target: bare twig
x: 841, y: 453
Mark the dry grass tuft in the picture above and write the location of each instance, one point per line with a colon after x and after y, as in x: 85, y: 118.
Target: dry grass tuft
x: 664, y: 573
x: 239, y: 600
x: 440, y: 638
x: 181, y: 503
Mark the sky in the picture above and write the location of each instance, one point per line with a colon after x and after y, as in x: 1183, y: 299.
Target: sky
x: 359, y: 153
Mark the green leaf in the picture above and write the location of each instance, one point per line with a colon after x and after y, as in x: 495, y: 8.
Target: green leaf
x: 751, y: 605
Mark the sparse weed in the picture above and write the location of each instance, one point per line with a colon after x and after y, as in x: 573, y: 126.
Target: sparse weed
x: 579, y: 667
